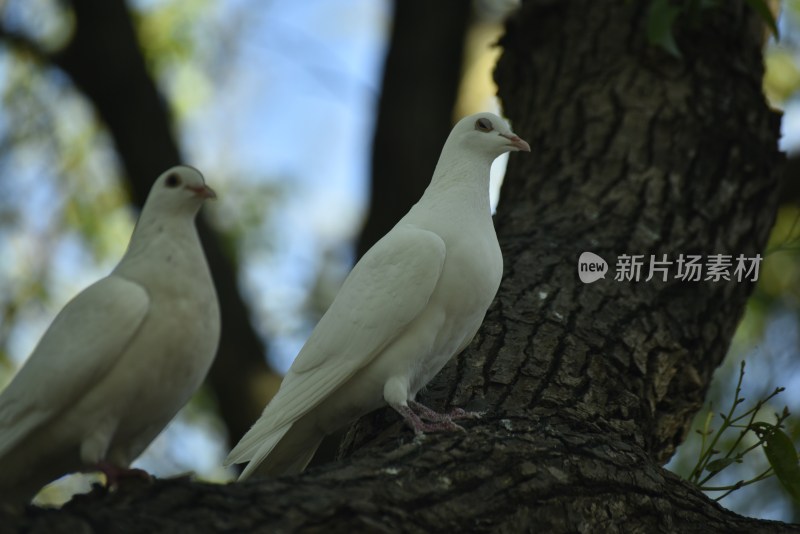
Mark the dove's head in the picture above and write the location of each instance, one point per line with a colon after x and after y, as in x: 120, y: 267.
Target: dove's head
x: 179, y: 189
x: 488, y: 134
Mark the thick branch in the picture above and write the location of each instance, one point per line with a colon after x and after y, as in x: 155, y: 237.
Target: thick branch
x: 470, y: 482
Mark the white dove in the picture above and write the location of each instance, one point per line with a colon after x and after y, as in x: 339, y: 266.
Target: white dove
x: 414, y: 300
x: 121, y: 358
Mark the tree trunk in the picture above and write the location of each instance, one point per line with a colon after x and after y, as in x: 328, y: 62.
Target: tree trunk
x: 638, y: 153
x: 587, y: 388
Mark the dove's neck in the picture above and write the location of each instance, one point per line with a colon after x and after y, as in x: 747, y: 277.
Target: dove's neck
x: 162, y: 239
x: 460, y: 182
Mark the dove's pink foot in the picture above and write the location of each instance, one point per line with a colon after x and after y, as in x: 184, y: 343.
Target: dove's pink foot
x: 115, y: 473
x: 436, y: 417
x: 420, y: 427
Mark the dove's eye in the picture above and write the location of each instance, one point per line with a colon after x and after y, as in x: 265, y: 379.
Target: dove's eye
x: 173, y: 180
x: 483, y: 125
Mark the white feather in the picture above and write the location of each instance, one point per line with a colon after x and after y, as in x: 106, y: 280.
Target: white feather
x: 89, y: 334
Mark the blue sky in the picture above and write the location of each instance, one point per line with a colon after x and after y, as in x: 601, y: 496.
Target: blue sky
x: 296, y: 109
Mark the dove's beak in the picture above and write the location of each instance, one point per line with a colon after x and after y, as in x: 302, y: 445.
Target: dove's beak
x: 517, y: 142
x: 202, y: 191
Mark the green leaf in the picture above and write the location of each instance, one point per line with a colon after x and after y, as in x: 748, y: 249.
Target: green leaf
x: 660, y: 21
x: 782, y: 456
x: 763, y: 10
x: 719, y: 464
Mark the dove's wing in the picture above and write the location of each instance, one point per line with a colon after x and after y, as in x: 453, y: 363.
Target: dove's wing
x: 80, y: 347
x: 385, y: 291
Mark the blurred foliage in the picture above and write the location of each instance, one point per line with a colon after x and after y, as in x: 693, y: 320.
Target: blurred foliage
x: 769, y: 338
x: 719, y: 450
x: 780, y: 274
x: 243, y: 220
x: 48, y: 23
x: 782, y: 62
x: 170, y: 35
x: 663, y: 15
x: 47, y: 130
x: 782, y: 75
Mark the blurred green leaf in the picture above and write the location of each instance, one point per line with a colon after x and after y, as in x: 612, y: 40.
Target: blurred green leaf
x: 781, y: 76
x: 782, y: 456
x: 719, y: 464
x: 763, y: 10
x: 660, y: 22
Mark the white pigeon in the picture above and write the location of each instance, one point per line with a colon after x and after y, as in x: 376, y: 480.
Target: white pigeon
x: 121, y: 358
x: 414, y: 300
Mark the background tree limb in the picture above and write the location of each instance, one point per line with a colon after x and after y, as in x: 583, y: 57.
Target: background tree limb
x: 415, y: 114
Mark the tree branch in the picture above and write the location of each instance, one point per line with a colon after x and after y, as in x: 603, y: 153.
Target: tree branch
x: 437, y: 485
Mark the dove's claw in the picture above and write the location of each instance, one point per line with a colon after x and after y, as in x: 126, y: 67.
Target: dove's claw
x: 436, y: 417
x: 415, y: 412
x: 422, y: 427
x: 456, y: 413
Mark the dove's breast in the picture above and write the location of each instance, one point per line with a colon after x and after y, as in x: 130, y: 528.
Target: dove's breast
x: 467, y: 285
x: 167, y: 359
x: 470, y: 279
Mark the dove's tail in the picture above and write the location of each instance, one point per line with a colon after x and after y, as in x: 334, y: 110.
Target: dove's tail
x: 285, y: 451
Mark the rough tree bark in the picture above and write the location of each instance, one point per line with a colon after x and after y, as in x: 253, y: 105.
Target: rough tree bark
x: 104, y: 60
x: 588, y: 388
